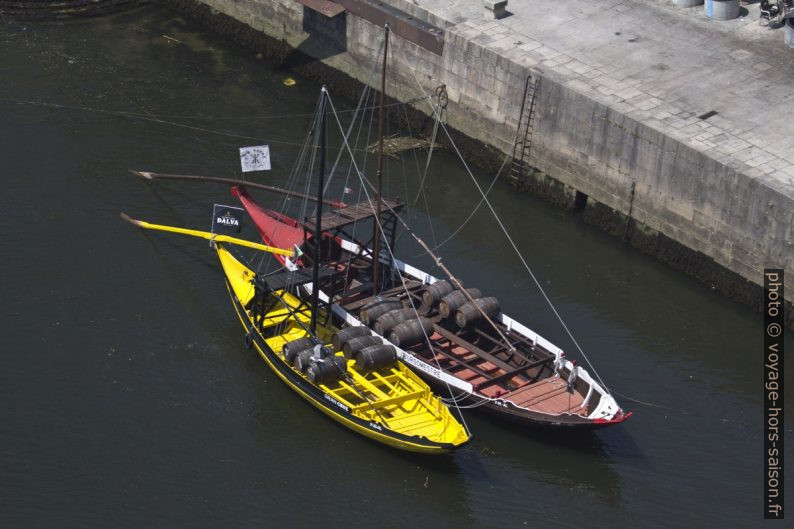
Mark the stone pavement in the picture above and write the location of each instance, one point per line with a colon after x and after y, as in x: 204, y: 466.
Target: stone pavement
x: 660, y: 64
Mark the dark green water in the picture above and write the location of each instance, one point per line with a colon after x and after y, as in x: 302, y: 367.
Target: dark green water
x: 128, y: 399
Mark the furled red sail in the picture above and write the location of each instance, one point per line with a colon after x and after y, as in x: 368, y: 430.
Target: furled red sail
x: 275, y: 229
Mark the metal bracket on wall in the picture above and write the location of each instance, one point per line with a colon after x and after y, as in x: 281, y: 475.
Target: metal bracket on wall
x: 379, y: 13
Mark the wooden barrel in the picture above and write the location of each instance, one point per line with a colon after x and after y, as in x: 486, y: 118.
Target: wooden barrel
x: 303, y: 359
x: 376, y: 356
x: 327, y: 370
x: 354, y: 345
x: 341, y: 337
x: 454, y: 300
x: 433, y: 293
x: 373, y: 311
x: 411, y: 332
x: 468, y: 314
x: 294, y: 347
x: 387, y: 322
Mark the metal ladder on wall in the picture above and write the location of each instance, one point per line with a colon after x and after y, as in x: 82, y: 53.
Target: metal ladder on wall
x: 519, y: 167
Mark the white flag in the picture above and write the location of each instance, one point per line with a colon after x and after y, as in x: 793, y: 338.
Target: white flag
x: 348, y: 191
x: 255, y: 158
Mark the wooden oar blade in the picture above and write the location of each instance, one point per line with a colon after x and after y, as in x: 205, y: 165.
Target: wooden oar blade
x: 208, y: 235
x: 143, y: 174
x: 129, y: 219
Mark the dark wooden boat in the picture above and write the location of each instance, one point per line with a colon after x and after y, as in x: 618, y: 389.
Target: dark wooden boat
x: 452, y: 336
x: 501, y: 365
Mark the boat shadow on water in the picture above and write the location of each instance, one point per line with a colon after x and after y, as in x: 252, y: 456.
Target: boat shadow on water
x: 580, y: 461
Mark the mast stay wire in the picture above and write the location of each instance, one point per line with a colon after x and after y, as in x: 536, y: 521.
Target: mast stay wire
x: 421, y: 185
x: 506, y: 233
x: 364, y: 183
x: 346, y: 135
x: 437, y: 259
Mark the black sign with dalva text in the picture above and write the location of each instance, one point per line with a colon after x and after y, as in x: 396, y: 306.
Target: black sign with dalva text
x: 226, y: 220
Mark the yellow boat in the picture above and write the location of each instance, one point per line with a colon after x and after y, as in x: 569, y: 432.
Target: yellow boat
x: 377, y: 396
x: 389, y: 404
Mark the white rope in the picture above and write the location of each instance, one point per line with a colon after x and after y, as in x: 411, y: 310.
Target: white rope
x: 507, y: 235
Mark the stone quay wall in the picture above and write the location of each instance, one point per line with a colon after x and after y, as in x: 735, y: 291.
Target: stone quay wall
x: 698, y: 211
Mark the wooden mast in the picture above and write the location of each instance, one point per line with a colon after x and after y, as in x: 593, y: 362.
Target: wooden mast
x: 379, y: 174
x: 318, y: 219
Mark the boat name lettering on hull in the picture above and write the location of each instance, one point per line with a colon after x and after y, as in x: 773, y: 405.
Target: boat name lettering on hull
x: 430, y: 370
x: 336, y: 402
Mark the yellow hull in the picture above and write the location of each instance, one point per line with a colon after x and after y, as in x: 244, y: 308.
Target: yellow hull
x: 398, y: 397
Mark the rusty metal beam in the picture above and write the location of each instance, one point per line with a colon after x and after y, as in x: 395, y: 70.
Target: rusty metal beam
x: 326, y: 7
x: 403, y: 24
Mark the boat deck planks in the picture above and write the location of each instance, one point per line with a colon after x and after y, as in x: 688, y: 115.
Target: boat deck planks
x: 550, y: 395
x: 337, y: 218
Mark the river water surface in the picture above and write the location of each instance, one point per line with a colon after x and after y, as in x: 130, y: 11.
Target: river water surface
x: 129, y: 399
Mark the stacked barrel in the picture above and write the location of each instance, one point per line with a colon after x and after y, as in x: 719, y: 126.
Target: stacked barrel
x: 368, y: 351
x: 319, y: 363
x: 467, y: 307
x: 323, y: 366
x: 403, y: 326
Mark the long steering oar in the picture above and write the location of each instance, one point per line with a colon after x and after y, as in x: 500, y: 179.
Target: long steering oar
x: 209, y: 236
x: 146, y: 175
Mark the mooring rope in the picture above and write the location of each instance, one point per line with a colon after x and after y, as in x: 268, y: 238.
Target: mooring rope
x: 155, y: 118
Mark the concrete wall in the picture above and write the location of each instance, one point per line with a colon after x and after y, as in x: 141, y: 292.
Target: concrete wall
x: 700, y: 202
x: 696, y: 200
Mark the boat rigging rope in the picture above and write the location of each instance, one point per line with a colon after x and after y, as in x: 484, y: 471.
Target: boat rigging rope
x: 352, y: 123
x: 364, y: 183
x: 125, y: 113
x: 454, y: 399
x: 418, y: 170
x: 156, y: 118
x: 476, y: 208
x: 292, y: 183
x: 424, y: 245
x: 506, y: 233
x: 437, y: 116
